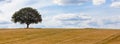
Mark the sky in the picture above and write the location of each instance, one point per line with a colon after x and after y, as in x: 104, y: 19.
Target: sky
x: 64, y: 13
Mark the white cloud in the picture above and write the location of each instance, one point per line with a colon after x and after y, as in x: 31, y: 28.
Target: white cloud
x: 81, y: 20
x: 0, y: 11
x: 115, y: 4
x: 9, y: 8
x: 98, y: 2
x: 5, y: 1
x: 78, y: 2
x: 70, y: 2
x: 67, y: 20
x: 39, y: 3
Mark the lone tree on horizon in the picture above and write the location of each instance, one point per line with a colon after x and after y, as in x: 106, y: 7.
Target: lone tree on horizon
x: 27, y: 16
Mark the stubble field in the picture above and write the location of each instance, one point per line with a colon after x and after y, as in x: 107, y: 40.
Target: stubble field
x: 59, y: 36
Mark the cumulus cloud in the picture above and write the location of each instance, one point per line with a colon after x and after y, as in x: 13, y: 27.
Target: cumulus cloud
x: 68, y: 20
x: 78, y: 2
x: 72, y: 19
x: 70, y: 2
x: 93, y: 24
x: 9, y: 8
x: 0, y: 12
x: 4, y: 22
x: 98, y: 2
x: 112, y: 21
x: 115, y: 4
x: 5, y: 1
x: 81, y: 20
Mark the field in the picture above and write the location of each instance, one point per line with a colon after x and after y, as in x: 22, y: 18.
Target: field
x: 59, y: 36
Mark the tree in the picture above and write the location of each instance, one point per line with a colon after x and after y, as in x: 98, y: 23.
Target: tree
x: 27, y: 16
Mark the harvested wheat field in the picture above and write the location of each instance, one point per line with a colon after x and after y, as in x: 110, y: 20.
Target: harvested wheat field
x: 59, y: 36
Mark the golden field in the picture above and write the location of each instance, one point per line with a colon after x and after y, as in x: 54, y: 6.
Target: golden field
x: 59, y: 36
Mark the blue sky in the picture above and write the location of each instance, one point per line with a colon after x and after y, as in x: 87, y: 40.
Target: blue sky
x: 65, y: 13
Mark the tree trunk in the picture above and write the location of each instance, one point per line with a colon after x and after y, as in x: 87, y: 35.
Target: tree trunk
x: 27, y: 25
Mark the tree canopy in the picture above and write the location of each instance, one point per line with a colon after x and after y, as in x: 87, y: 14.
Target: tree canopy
x: 27, y: 16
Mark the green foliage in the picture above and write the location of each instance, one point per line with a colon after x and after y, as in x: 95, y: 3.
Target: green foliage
x: 27, y: 16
